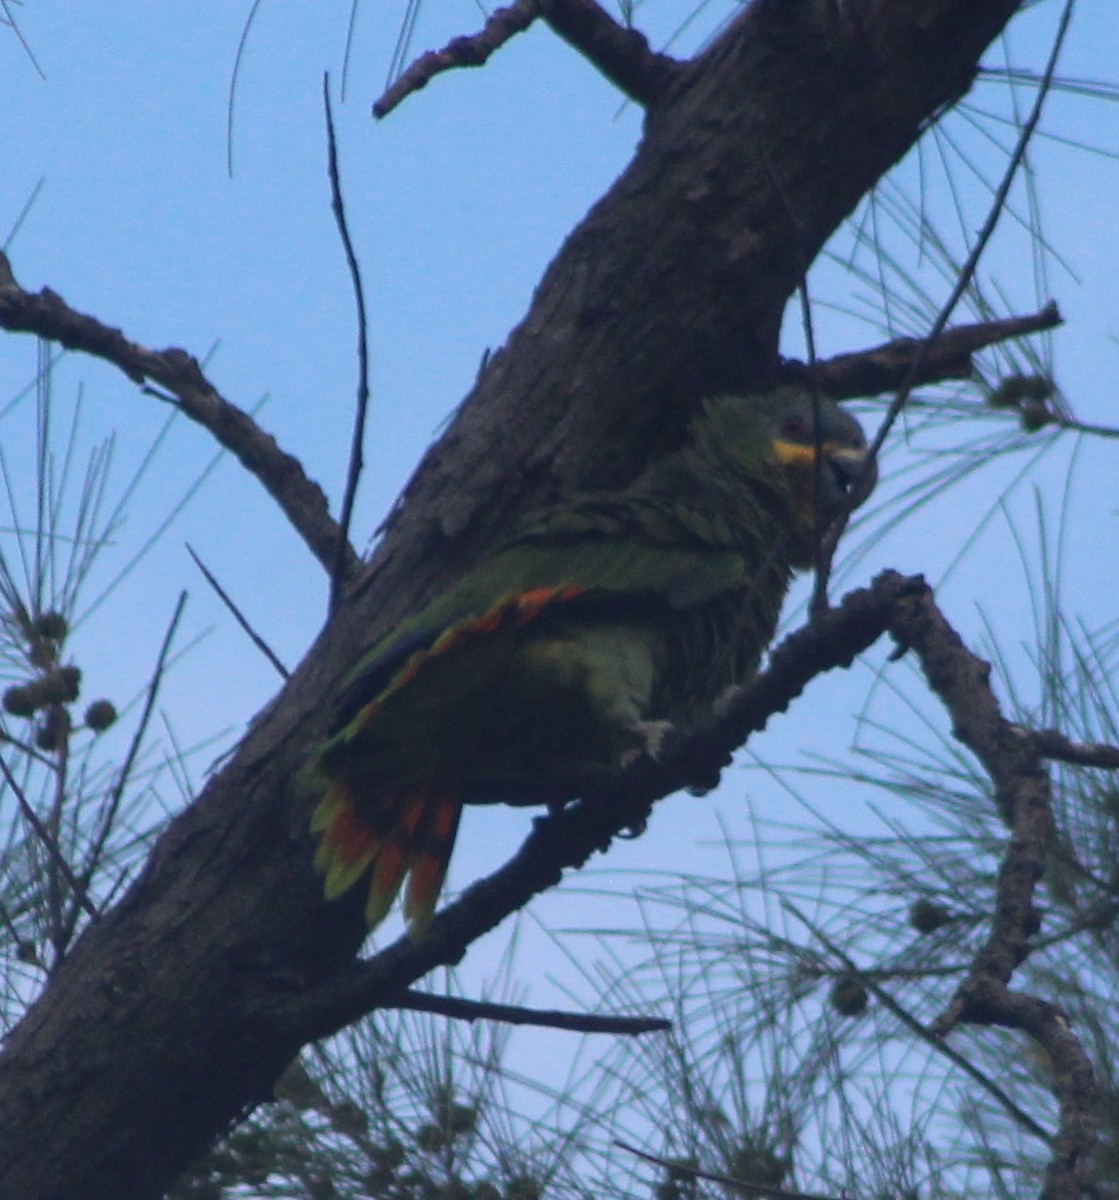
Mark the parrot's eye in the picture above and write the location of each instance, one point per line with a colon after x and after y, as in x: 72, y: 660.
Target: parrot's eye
x: 795, y: 426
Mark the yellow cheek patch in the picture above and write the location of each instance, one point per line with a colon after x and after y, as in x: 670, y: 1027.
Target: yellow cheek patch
x: 794, y: 453
x: 799, y: 463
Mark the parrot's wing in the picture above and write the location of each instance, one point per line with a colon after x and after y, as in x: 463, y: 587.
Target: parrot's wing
x: 601, y: 555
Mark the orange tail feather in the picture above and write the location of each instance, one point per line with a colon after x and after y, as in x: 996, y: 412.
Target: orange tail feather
x: 348, y: 845
x: 414, y: 838
x: 434, y: 842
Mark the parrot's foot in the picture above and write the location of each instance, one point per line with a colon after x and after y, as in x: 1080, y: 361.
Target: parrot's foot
x: 655, y: 734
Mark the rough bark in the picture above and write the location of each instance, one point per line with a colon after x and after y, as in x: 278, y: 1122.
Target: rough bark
x: 150, y: 1038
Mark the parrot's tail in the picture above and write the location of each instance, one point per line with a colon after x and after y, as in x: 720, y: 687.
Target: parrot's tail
x: 412, y: 835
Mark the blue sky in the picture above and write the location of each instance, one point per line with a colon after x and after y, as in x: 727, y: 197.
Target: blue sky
x: 457, y: 202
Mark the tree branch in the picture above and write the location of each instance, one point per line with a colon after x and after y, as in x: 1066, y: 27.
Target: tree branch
x: 916, y: 361
x: 514, y: 1014
x: 48, y: 316
x: 621, y: 54
x: 239, y: 616
x: 611, y: 803
x: 1013, y: 762
x: 1051, y: 743
x: 468, y: 51
x: 344, y: 561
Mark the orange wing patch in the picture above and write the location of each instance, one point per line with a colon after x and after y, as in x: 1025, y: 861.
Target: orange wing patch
x: 510, y: 613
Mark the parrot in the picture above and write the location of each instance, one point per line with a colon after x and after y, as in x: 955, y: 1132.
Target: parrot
x: 603, y: 624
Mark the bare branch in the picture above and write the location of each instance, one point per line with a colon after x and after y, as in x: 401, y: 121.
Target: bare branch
x: 472, y: 51
x: 47, y: 315
x: 1051, y: 743
x: 916, y: 361
x: 620, y: 53
x: 513, y: 1014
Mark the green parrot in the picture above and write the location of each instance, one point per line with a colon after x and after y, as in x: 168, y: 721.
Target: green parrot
x: 578, y: 644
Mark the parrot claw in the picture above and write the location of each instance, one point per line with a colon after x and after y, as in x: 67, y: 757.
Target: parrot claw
x: 655, y: 735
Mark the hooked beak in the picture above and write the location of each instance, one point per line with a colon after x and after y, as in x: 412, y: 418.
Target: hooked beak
x: 853, y: 472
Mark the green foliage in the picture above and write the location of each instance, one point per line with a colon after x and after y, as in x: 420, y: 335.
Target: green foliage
x: 69, y: 800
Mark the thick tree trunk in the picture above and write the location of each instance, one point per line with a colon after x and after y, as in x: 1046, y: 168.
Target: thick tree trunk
x: 154, y: 1034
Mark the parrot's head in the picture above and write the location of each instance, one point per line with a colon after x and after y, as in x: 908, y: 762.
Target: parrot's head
x: 802, y: 430
x: 820, y: 452
x: 805, y: 456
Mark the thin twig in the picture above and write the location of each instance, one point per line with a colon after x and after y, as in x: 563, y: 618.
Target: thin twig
x: 115, y: 796
x: 239, y: 616
x: 512, y: 1014
x: 343, y: 561
x: 13, y: 24
x: 40, y: 831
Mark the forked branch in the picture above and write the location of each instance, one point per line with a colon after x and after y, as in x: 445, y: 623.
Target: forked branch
x: 622, y: 54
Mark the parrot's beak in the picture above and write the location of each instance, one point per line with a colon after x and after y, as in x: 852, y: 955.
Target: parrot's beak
x: 853, y: 471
